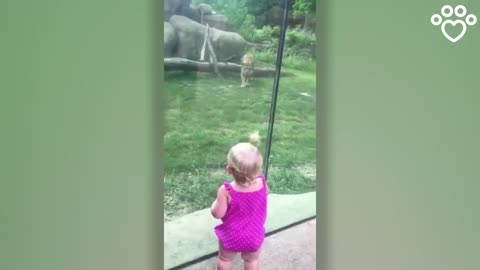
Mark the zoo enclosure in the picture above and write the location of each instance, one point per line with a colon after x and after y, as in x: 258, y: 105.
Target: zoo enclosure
x: 208, y: 111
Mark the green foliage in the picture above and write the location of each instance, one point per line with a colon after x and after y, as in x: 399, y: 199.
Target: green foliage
x: 241, y: 18
x: 247, y: 28
x: 240, y: 13
x: 235, y: 10
x: 297, y: 42
x: 299, y: 39
x: 304, y: 6
x: 300, y: 43
x: 257, y: 7
x: 268, y: 56
x: 290, y: 61
x: 254, y: 7
x: 267, y: 33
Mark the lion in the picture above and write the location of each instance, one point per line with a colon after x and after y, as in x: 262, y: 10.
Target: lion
x: 247, y: 67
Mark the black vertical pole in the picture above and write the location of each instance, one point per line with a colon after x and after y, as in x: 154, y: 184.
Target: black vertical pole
x: 281, y: 42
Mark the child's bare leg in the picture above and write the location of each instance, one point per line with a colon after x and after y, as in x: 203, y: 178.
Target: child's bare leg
x: 225, y: 259
x: 251, y: 261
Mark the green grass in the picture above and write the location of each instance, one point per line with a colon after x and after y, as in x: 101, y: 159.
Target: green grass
x: 207, y: 115
x: 296, y: 62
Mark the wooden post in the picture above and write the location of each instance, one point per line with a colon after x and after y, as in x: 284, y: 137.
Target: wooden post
x: 211, y: 52
x: 202, y: 53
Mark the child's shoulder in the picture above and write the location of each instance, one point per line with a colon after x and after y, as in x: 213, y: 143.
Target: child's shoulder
x: 222, y: 191
x: 224, y: 187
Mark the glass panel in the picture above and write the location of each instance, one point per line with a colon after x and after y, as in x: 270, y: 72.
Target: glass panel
x: 207, y: 113
x: 215, y: 100
x: 292, y: 164
x: 293, y: 150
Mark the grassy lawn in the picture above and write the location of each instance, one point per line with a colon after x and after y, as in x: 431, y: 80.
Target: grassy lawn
x: 207, y: 115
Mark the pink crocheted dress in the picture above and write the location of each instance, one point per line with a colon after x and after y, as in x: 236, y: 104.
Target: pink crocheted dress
x: 243, y: 226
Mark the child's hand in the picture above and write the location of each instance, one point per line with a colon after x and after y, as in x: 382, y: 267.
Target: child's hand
x: 220, y: 205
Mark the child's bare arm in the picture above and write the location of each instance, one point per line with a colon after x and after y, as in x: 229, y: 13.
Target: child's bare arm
x: 220, y: 205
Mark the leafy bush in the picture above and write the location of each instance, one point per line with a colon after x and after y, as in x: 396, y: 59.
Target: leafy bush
x: 269, y: 56
x: 257, y: 7
x: 307, y: 6
x: 300, y: 43
x: 240, y: 13
x: 266, y: 34
x: 300, y: 39
x: 235, y: 10
x: 297, y: 42
x: 247, y: 28
x: 292, y: 61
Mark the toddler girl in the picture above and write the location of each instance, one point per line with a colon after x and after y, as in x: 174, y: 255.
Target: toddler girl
x: 242, y: 206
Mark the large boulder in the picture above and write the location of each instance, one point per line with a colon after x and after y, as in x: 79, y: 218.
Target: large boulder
x: 169, y: 8
x: 172, y: 7
x: 180, y: 7
x: 274, y: 17
x: 216, y: 20
x: 169, y: 39
x: 228, y: 46
x: 184, y: 8
x: 271, y: 17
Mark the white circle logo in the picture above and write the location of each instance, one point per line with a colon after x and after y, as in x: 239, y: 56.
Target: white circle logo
x: 460, y: 24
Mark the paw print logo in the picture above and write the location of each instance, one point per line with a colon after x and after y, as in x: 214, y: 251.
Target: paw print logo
x: 460, y: 24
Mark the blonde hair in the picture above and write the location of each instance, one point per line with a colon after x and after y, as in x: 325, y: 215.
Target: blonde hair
x: 245, y: 160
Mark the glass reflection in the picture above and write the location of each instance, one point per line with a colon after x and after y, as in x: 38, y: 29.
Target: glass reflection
x: 214, y: 99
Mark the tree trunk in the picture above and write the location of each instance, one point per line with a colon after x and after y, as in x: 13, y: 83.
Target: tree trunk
x: 224, y: 67
x: 306, y: 23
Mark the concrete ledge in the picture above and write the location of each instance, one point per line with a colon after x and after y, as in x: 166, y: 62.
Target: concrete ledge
x: 191, y: 236
x: 291, y: 249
